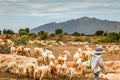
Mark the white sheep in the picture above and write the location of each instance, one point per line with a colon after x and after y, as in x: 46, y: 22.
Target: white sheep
x: 12, y: 66
x: 66, y: 52
x: 76, y: 56
x: 64, y: 68
x: 9, y: 43
x: 71, y: 71
x: 12, y: 50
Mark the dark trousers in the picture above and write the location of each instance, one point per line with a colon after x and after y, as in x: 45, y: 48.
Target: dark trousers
x: 96, y: 76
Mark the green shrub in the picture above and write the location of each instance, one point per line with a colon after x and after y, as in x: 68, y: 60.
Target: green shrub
x: 58, y: 31
x: 21, y: 40
x: 111, y: 37
x: 87, y: 39
x: 52, y: 35
x: 61, y: 35
x: 76, y: 34
x: 59, y: 39
x: 32, y: 36
x: 99, y: 32
x: 102, y: 40
x: 78, y: 40
x: 44, y: 36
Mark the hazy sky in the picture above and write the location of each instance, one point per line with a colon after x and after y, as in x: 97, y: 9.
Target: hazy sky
x: 16, y: 14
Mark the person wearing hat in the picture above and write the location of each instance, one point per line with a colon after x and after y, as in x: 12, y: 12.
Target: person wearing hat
x: 97, y: 62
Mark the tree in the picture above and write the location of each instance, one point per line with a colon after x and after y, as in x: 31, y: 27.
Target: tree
x: 58, y: 31
x: 32, y: 36
x: 76, y: 34
x: 44, y: 36
x: 21, y: 33
x: 106, y: 33
x: 66, y: 33
x: 111, y: 37
x: 24, y: 31
x: 52, y: 35
x: 0, y: 32
x: 27, y: 30
x: 41, y: 32
x: 99, y: 32
x: 9, y: 31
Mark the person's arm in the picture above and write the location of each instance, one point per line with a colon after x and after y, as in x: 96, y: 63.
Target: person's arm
x: 102, y: 65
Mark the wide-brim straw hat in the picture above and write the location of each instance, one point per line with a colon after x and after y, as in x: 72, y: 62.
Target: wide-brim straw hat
x: 99, y: 50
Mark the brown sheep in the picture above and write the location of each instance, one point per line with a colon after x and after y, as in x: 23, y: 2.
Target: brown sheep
x: 30, y: 69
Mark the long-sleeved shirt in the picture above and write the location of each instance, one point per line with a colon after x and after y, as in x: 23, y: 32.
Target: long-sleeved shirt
x: 97, y: 63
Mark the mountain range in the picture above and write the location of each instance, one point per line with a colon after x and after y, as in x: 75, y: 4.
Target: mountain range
x: 84, y: 25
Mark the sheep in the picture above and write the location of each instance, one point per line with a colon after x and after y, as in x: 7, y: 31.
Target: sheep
x: 1, y: 40
x: 64, y: 58
x: 79, y: 66
x: 43, y: 44
x: 27, y: 52
x: 53, y: 70
x: 30, y: 42
x: 64, y: 68
x: 38, y: 51
x: 60, y: 59
x: 11, y: 68
x: 50, y: 55
x: 56, y: 44
x: 45, y: 56
x: 111, y: 66
x: 9, y: 43
x: 40, y: 61
x: 59, y: 69
x: 83, y: 68
x: 12, y: 50
x: 2, y: 43
x: 21, y: 71
x: 109, y: 50
x: 71, y: 71
x: 74, y: 43
x: 51, y: 63
x: 61, y: 43
x: 20, y: 50
x: 116, y: 49
x: 79, y: 50
x: 88, y: 54
x: 66, y: 52
x: 39, y: 73
x: 30, y: 69
x: 76, y: 56
x: 78, y: 61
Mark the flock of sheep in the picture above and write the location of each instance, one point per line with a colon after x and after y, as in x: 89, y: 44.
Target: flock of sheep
x: 38, y: 62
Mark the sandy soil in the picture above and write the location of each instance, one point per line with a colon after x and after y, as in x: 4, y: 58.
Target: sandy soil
x: 58, y: 50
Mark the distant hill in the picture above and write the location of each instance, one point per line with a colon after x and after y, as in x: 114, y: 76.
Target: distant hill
x: 83, y: 25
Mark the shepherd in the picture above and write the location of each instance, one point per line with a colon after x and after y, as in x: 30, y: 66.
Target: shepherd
x: 97, y: 62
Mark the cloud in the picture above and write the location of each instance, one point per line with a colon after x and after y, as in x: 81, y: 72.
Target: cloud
x: 35, y: 12
x: 38, y: 14
x: 57, y: 8
x: 52, y: 6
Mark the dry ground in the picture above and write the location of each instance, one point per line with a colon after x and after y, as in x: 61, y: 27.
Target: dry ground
x: 56, y: 51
